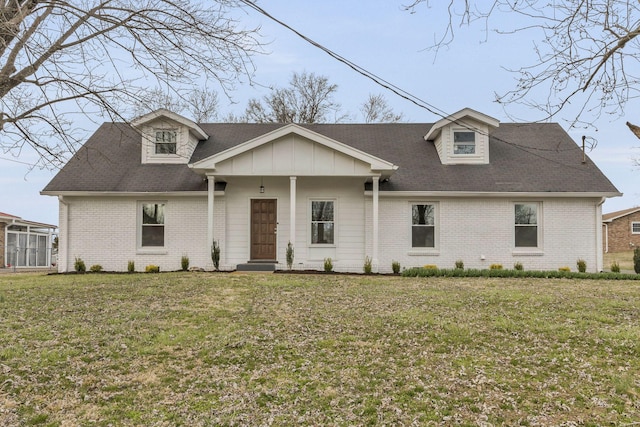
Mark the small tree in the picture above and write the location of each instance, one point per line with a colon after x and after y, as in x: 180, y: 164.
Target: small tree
x: 290, y: 255
x: 636, y: 260
x: 215, y: 254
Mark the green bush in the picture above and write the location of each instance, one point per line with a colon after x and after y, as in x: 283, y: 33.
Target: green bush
x: 328, y: 265
x: 636, y: 260
x: 565, y: 269
x: 79, y: 265
x: 96, y: 268
x: 395, y: 267
x: 290, y: 255
x: 554, y: 274
x: 367, y: 265
x: 518, y: 266
x: 495, y: 267
x: 131, y: 266
x: 184, y: 263
x: 460, y: 264
x: 152, y: 268
x: 615, y: 267
x: 582, y: 265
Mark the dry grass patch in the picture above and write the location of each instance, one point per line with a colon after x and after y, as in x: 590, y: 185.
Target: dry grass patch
x: 216, y: 349
x: 624, y: 259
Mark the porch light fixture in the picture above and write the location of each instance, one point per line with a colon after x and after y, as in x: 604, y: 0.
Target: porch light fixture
x: 261, y: 186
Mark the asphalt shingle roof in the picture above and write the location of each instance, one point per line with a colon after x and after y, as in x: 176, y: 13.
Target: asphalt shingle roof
x: 537, y: 157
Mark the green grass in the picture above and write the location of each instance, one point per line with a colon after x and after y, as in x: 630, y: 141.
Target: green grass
x: 625, y: 259
x: 286, y: 349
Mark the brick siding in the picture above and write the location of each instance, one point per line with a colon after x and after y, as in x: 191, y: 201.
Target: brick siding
x: 620, y: 237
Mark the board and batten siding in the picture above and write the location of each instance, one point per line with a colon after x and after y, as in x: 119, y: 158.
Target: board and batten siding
x: 348, y: 194
x: 473, y: 229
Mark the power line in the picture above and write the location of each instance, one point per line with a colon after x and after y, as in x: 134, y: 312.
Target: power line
x: 395, y: 89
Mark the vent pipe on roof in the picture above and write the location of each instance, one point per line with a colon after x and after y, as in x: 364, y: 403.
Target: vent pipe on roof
x: 584, y: 153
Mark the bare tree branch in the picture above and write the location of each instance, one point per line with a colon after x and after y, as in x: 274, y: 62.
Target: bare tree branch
x: 67, y: 61
x: 587, y: 52
x: 308, y: 99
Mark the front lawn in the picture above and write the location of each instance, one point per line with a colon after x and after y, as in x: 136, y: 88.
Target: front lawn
x: 200, y: 349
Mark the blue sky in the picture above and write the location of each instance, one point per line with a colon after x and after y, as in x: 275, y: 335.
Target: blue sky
x: 390, y: 42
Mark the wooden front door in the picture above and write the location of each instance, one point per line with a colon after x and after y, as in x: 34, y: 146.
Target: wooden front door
x: 264, y: 223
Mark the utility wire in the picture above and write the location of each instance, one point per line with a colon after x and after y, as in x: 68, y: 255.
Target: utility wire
x: 392, y: 87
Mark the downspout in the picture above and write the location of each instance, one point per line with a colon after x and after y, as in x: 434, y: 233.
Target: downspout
x: 606, y: 238
x: 63, y: 240
x: 599, y: 255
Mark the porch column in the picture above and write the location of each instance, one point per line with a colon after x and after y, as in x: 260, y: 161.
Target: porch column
x: 374, y: 256
x: 211, y: 184
x: 292, y: 209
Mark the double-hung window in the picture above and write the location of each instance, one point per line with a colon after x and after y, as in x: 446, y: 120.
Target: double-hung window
x: 526, y: 225
x: 464, y: 142
x: 152, y: 224
x: 635, y: 228
x: 322, y: 222
x: 166, y: 141
x: 423, y: 226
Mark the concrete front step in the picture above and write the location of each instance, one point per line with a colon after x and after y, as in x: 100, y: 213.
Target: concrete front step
x: 257, y: 266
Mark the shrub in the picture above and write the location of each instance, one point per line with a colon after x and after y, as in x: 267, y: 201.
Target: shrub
x: 430, y: 267
x: 582, y: 265
x: 152, y: 268
x: 79, y: 265
x: 636, y: 260
x: 564, y: 269
x: 328, y: 265
x: 367, y: 265
x: 615, y: 267
x: 184, y: 263
x: 518, y: 266
x: 215, y: 254
x: 96, y: 268
x: 460, y: 264
x: 395, y: 267
x: 131, y: 266
x: 290, y: 255
x: 495, y: 267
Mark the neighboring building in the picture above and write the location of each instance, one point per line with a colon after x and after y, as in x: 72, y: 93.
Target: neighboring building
x: 621, y: 230
x: 25, y: 243
x: 464, y: 188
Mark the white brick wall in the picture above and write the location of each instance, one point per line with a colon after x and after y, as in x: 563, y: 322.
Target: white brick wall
x: 472, y: 229
x: 105, y: 230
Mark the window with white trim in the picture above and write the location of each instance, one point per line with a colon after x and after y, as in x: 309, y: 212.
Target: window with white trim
x: 526, y: 225
x: 166, y: 142
x: 635, y: 228
x: 464, y: 142
x: 152, y: 225
x: 423, y: 226
x: 322, y: 222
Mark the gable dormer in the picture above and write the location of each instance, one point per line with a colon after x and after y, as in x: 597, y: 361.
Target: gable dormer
x: 463, y: 137
x: 167, y: 137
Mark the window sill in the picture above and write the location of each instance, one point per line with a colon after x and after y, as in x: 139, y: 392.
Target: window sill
x: 423, y: 252
x: 528, y: 252
x: 152, y: 251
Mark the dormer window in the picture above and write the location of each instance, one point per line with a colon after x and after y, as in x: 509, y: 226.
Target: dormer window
x: 166, y: 142
x: 464, y: 142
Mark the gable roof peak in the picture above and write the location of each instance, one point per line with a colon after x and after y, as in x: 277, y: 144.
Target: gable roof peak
x: 456, y: 117
x: 160, y: 113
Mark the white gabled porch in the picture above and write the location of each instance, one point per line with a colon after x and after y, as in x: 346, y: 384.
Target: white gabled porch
x: 276, y: 187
